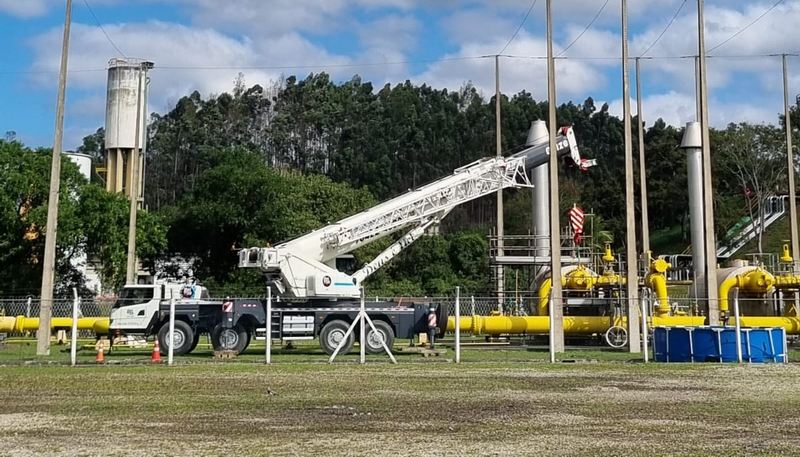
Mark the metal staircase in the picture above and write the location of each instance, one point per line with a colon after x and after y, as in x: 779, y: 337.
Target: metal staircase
x: 773, y: 208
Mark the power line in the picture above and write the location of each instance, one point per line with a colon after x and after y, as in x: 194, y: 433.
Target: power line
x: 97, y: 21
x: 309, y: 66
x: 585, y: 29
x: 377, y: 64
x: 674, y: 16
x: 533, y: 3
x: 746, y: 27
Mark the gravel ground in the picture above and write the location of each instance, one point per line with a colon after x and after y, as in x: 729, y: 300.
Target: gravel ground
x: 415, y: 408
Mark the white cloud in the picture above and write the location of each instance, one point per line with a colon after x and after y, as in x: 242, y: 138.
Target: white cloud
x: 677, y: 108
x: 173, y: 48
x: 249, y: 35
x: 573, y: 77
x: 24, y: 9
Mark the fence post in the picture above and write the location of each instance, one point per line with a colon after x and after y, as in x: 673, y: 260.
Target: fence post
x: 171, y: 331
x: 552, y: 329
x: 74, y: 336
x: 268, y: 332
x: 738, y: 326
x: 362, y: 340
x: 28, y: 307
x: 645, y: 332
x: 458, y: 324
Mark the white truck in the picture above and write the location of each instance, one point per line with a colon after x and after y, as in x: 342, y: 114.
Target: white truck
x: 143, y: 309
x: 318, y: 300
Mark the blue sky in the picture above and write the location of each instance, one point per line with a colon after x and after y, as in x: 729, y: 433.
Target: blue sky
x: 390, y: 41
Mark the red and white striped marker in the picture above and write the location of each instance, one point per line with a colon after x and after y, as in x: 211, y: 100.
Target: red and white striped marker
x: 576, y: 218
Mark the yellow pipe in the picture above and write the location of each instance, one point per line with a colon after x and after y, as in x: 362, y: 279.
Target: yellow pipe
x: 19, y: 324
x: 755, y: 281
x: 791, y: 324
x: 574, y: 325
x: 657, y: 281
x: 579, y: 279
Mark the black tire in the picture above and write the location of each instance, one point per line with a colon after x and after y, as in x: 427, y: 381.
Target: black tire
x: 332, y: 334
x: 184, y: 336
x: 233, y: 339
x: 373, y: 344
x: 194, y: 342
x: 247, y: 341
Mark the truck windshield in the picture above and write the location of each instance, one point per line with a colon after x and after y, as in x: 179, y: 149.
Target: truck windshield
x: 134, y: 296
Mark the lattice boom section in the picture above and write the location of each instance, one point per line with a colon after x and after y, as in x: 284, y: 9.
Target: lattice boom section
x: 469, y: 183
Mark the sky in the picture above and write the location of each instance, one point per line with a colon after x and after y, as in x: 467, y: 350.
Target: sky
x: 204, y: 44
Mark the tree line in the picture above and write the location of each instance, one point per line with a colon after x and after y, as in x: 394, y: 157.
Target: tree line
x: 260, y: 165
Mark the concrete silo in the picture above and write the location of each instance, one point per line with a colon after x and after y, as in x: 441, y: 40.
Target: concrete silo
x: 126, y: 122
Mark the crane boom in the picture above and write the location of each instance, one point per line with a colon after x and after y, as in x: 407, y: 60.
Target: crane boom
x: 304, y: 267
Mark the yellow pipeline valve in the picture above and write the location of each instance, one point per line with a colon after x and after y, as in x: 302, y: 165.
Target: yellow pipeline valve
x: 580, y: 279
x: 786, y: 257
x: 608, y: 256
x: 755, y: 281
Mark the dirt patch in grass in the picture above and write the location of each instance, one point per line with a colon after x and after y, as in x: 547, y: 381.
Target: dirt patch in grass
x: 411, y: 409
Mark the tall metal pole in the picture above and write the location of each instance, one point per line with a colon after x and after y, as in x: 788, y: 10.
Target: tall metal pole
x: 697, y: 88
x: 556, y: 304
x: 632, y: 274
x: 499, y: 142
x: 130, y: 271
x: 708, y: 189
x: 51, y: 231
x: 642, y: 172
x: 790, y: 164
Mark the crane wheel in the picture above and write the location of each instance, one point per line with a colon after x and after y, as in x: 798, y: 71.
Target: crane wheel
x: 373, y: 340
x: 183, y: 334
x: 233, y: 339
x: 332, y: 335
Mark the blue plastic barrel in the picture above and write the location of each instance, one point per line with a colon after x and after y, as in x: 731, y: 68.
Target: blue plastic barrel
x: 718, y: 344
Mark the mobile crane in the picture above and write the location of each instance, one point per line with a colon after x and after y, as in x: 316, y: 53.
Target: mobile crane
x: 316, y: 299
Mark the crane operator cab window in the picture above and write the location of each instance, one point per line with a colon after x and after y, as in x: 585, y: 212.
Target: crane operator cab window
x: 346, y: 264
x: 134, y: 296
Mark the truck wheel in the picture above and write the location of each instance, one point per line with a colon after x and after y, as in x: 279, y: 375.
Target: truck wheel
x: 385, y: 333
x: 229, y: 339
x: 195, y: 341
x: 332, y: 334
x: 184, y: 336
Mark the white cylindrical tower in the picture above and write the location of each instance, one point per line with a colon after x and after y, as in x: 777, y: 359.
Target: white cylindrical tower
x: 83, y: 161
x: 80, y: 261
x: 541, y: 191
x: 692, y: 143
x: 126, y: 114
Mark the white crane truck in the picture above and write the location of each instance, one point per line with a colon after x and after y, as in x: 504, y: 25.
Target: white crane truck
x: 316, y: 300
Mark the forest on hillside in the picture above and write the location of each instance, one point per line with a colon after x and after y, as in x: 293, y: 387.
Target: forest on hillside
x: 260, y: 165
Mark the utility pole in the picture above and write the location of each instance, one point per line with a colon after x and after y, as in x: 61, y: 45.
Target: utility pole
x: 642, y: 174
x: 708, y: 191
x: 499, y: 141
x: 131, y: 270
x: 632, y: 274
x: 697, y: 87
x: 790, y: 164
x: 556, y: 300
x: 51, y: 231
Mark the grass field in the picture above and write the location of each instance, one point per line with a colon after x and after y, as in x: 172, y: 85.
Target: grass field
x: 499, y: 402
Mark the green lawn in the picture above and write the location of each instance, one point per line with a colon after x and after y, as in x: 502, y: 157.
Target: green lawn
x: 498, y: 402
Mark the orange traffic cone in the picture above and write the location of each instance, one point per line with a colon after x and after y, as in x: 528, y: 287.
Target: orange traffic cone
x: 156, y: 357
x: 100, y: 358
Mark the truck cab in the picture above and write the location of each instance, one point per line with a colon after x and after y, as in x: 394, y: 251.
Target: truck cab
x: 136, y: 308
